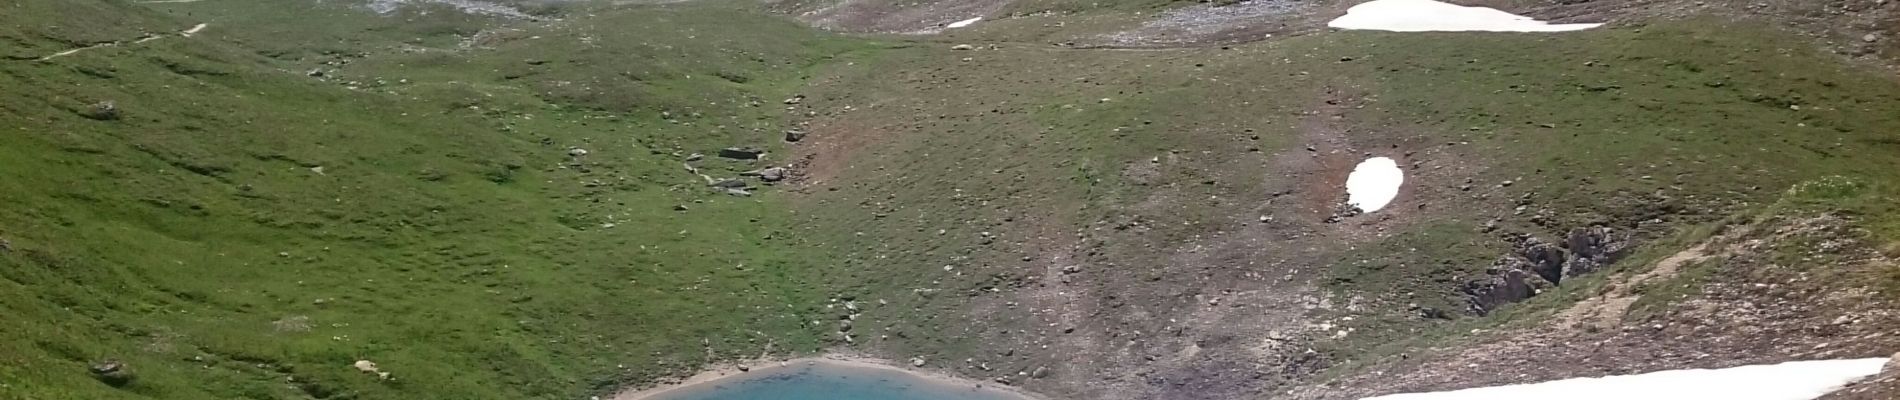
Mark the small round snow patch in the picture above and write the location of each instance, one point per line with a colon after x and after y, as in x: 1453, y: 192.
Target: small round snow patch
x: 1429, y: 15
x: 1374, y: 183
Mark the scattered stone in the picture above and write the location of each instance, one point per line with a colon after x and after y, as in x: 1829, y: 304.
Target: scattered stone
x: 694, y: 157
x: 1277, y: 336
x: 1039, y: 372
x: 773, y: 174
x: 795, y: 99
x: 1870, y: 38
x: 577, y: 152
x: 112, y: 372
x: 103, y: 111
x: 917, y: 362
x: 794, y: 135
x: 315, y: 73
x: 739, y: 192
x: 369, y: 367
x: 681, y: 207
x: 741, y: 153
x: 963, y: 47
x: 729, y: 184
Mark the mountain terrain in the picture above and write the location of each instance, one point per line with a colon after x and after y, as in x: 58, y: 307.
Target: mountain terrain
x: 1127, y: 199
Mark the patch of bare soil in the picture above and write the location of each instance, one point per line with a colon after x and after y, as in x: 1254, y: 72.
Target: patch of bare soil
x: 820, y: 158
x: 1232, y: 313
x: 885, y: 16
x: 1763, y: 302
x: 1209, y: 23
x: 1606, y: 310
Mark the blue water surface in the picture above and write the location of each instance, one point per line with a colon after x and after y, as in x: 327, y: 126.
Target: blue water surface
x: 822, y: 381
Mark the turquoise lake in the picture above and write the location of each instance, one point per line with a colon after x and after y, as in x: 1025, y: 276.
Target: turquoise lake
x: 805, y: 380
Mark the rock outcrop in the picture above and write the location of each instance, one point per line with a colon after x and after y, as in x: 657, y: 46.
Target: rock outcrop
x: 1534, y: 265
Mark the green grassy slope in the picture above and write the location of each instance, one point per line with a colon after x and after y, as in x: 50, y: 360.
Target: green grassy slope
x: 1656, y: 130
x: 241, y: 230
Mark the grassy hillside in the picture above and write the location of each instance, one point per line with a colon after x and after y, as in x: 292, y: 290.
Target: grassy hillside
x: 238, y: 229
x: 512, y: 208
x: 1057, y: 208
x: 1656, y: 130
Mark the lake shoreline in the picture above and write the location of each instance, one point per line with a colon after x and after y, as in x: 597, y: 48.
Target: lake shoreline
x: 760, y: 367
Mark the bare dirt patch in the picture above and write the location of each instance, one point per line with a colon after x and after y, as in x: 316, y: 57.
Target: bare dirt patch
x: 1605, y: 311
x: 882, y: 16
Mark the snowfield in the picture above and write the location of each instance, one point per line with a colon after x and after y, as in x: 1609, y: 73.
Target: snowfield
x: 1800, y: 380
x: 1429, y: 16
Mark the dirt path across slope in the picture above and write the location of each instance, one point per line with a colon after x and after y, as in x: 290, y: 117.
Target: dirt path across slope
x: 188, y: 32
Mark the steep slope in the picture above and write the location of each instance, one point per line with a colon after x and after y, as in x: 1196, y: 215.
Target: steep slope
x: 477, y: 222
x: 1164, y: 223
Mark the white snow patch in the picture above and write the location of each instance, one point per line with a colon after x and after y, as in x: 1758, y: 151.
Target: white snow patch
x: 1800, y: 380
x: 195, y: 29
x: 1429, y: 15
x: 1374, y: 183
x: 963, y: 23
